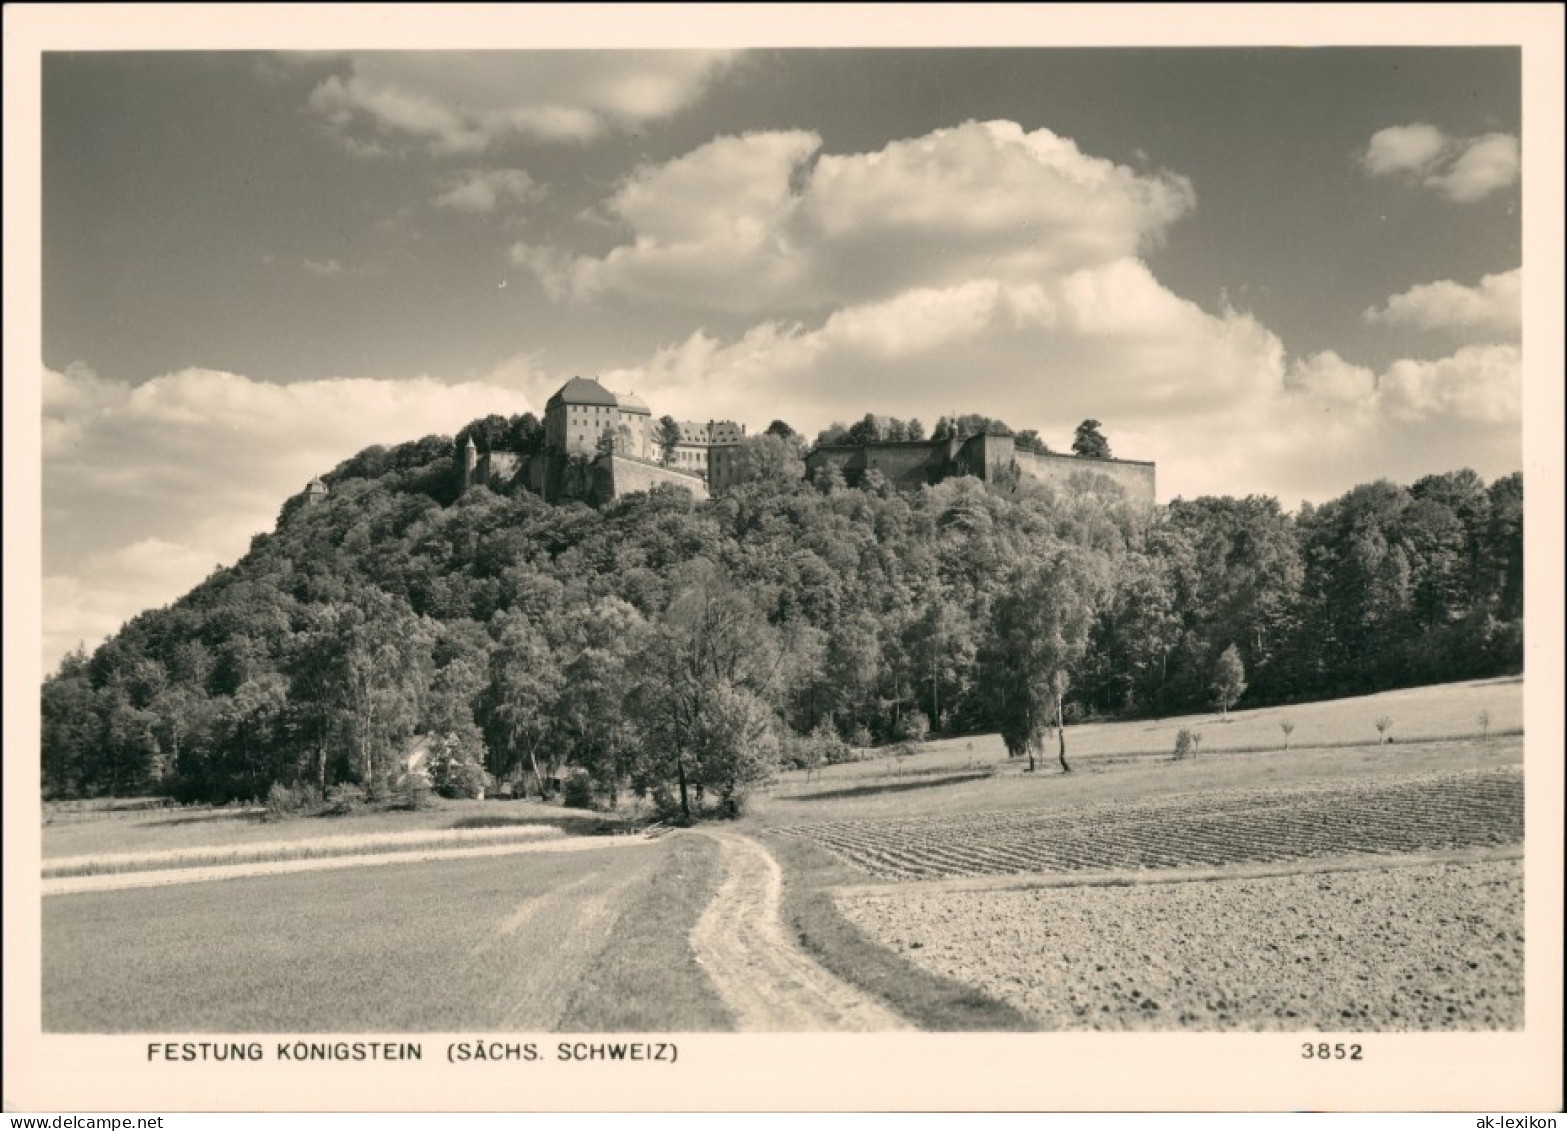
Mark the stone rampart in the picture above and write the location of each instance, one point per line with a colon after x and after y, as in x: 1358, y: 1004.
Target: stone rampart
x: 615, y: 476
x: 1135, y: 477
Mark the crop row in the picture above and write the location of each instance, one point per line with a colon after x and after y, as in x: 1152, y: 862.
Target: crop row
x: 1450, y: 811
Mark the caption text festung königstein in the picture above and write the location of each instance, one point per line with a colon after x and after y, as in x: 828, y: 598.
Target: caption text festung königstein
x: 480, y: 1050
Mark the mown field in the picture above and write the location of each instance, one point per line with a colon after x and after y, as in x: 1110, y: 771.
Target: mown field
x: 1420, y: 715
x: 584, y: 941
x: 170, y: 830
x: 1342, y: 885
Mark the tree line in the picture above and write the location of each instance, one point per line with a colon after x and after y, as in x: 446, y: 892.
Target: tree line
x: 683, y: 650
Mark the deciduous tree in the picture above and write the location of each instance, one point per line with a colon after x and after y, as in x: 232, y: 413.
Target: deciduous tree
x: 667, y: 435
x: 1089, y: 443
x: 1229, y: 679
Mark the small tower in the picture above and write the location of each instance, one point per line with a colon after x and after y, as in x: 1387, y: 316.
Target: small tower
x: 470, y: 462
x: 315, y: 491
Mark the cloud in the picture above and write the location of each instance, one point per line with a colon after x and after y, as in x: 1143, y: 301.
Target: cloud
x: 147, y: 488
x: 767, y: 221
x: 1094, y: 342
x: 470, y: 101
x: 1484, y: 165
x: 485, y: 190
x: 325, y: 267
x: 1494, y: 307
x: 1213, y: 398
x: 1403, y: 149
x: 1328, y: 380
x: 1478, y: 384
x: 90, y: 603
x: 1463, y: 170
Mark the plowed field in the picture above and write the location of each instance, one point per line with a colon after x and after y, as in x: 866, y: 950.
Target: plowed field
x: 1420, y: 947
x: 1438, y: 812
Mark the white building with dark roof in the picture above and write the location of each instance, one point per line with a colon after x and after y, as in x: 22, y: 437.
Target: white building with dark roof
x: 577, y: 417
x: 708, y: 449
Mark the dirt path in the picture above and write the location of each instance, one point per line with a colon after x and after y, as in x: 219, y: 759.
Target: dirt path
x: 538, y: 953
x: 115, y: 881
x: 769, y: 983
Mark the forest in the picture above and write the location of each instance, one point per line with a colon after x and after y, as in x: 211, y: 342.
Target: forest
x: 683, y: 650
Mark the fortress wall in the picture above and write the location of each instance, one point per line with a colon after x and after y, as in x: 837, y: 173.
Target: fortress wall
x: 986, y: 456
x: 907, y: 465
x: 845, y: 459
x: 1134, y: 477
x: 627, y: 475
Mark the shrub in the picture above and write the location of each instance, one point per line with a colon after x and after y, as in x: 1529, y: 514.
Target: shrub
x: 1187, y: 742
x: 455, y: 772
x: 665, y: 802
x: 345, y: 799
x: 461, y: 779
x: 914, y: 727
x: 291, y: 801
x: 830, y: 745
x: 578, y: 790
x: 861, y: 737
x: 379, y: 791
x: 414, y: 792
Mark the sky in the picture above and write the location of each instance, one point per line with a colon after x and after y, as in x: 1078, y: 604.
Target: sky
x: 1272, y: 271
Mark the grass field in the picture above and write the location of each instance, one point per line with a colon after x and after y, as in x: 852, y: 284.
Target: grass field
x: 509, y: 944
x: 1420, y: 715
x: 171, y: 831
x: 916, y: 790
x: 908, y: 878
x: 324, y: 848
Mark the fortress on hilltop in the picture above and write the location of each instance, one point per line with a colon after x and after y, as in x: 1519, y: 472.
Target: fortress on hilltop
x: 911, y: 464
x: 598, y: 445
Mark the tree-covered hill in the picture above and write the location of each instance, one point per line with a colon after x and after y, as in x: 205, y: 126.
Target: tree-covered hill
x: 683, y: 648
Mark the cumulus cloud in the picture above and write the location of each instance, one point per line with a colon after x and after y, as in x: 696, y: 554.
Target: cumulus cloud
x: 468, y: 102
x: 1463, y: 170
x: 1403, y: 149
x: 485, y: 190
x: 91, y: 602
x: 1212, y: 398
x: 1493, y: 307
x: 768, y: 221
x: 1096, y: 342
x: 1481, y: 166
x: 1478, y: 384
x: 147, y: 488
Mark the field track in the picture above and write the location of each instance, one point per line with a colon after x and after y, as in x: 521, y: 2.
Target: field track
x: 768, y: 982
x: 1431, y: 813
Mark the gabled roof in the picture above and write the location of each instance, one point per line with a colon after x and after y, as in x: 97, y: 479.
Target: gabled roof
x: 630, y: 402
x: 581, y: 390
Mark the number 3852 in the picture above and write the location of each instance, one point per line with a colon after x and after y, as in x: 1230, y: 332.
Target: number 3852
x: 1321, y: 1050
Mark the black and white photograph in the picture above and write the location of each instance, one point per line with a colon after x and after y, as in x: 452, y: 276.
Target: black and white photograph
x: 577, y: 547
